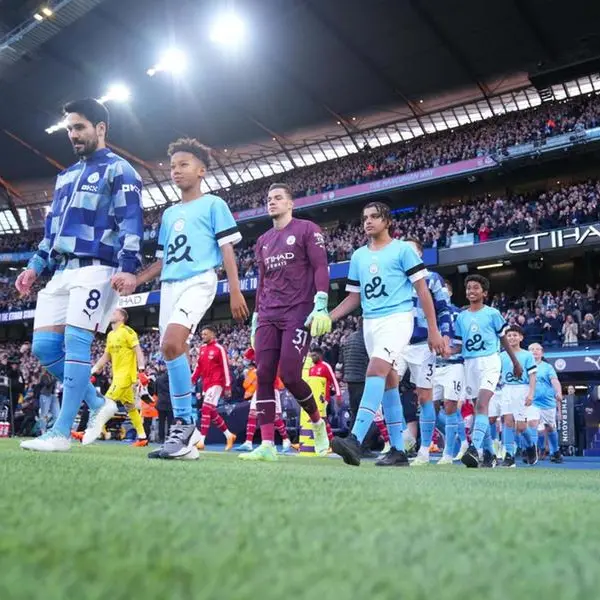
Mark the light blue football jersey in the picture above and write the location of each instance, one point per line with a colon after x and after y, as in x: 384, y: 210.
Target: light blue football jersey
x: 384, y: 278
x: 191, y: 235
x: 479, y: 331
x: 545, y: 396
x: 526, y: 361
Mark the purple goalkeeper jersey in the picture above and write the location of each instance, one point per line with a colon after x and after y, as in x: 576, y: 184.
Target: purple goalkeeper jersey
x: 292, y: 267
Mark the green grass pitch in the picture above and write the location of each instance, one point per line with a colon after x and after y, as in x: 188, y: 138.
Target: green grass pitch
x: 105, y: 522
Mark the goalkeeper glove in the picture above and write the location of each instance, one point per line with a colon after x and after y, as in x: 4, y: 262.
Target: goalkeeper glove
x: 319, y: 319
x: 253, y: 327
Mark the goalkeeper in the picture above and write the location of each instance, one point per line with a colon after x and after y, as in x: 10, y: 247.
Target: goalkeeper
x: 291, y: 305
x: 123, y: 350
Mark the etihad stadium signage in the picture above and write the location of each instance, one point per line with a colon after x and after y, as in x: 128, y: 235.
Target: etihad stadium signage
x: 581, y: 236
x: 552, y: 240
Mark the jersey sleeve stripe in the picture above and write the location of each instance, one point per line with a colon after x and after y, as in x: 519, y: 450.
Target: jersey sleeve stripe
x: 532, y: 369
x: 502, y: 331
x: 225, y: 366
x: 336, y: 385
x: 160, y: 251
x: 418, y: 275
x: 415, y: 269
x: 233, y: 237
x: 352, y: 288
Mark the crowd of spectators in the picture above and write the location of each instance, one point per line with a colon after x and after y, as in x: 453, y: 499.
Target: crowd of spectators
x: 487, y: 137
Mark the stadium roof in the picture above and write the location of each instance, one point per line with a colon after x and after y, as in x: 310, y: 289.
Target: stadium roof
x: 308, y: 69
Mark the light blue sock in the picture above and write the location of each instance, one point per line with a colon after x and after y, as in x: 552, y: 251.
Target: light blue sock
x: 521, y: 441
x: 451, y: 429
x: 487, y: 441
x: 553, y: 441
x: 532, y: 434
x: 440, y: 422
x: 508, y: 439
x: 78, y: 345
x: 526, y: 439
x: 493, y: 431
x: 480, y: 428
x: 93, y: 398
x: 427, y: 423
x: 369, y: 403
x: 461, y: 430
x: 180, y: 377
x: 49, y: 348
x: 541, y: 442
x: 394, y: 417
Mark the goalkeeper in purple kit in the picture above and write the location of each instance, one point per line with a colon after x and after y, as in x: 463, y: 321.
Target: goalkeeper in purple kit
x: 293, y: 284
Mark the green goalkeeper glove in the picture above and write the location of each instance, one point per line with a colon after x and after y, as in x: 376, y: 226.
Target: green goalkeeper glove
x: 319, y: 319
x: 253, y: 327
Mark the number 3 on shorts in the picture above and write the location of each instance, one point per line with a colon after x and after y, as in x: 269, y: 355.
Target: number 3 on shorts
x: 301, y: 338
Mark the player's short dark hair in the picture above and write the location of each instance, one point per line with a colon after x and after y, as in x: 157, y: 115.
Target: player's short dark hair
x: 416, y: 241
x: 95, y: 112
x: 516, y: 329
x: 209, y: 328
x: 481, y: 280
x: 383, y: 211
x: 124, y: 313
x: 317, y: 350
x: 282, y: 186
x: 449, y: 285
x: 193, y: 146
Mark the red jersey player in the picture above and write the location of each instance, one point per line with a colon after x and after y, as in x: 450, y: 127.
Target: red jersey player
x: 293, y: 282
x: 213, y: 368
x: 250, y: 386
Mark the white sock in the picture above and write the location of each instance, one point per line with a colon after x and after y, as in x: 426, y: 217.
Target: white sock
x: 268, y: 443
x: 424, y: 451
x: 286, y: 443
x: 228, y: 434
x: 202, y: 438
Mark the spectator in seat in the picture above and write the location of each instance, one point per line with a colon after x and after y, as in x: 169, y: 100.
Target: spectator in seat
x: 570, y: 331
x: 589, y: 330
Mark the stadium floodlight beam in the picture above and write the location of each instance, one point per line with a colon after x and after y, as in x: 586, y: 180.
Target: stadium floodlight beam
x: 172, y: 61
x: 115, y: 93
x: 228, y: 30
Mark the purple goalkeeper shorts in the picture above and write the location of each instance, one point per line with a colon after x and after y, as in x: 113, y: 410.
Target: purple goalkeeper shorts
x: 290, y: 341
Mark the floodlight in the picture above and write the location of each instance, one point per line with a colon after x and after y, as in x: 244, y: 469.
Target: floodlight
x: 173, y: 61
x: 47, y: 11
x: 38, y: 17
x: 116, y: 93
x: 56, y: 127
x: 228, y: 30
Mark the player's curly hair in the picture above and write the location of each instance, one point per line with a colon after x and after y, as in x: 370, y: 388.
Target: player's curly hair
x: 193, y: 146
x: 481, y: 280
x: 516, y: 329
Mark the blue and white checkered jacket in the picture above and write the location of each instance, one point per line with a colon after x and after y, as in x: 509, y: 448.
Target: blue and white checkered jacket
x: 441, y: 302
x: 95, y: 218
x: 455, y: 358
